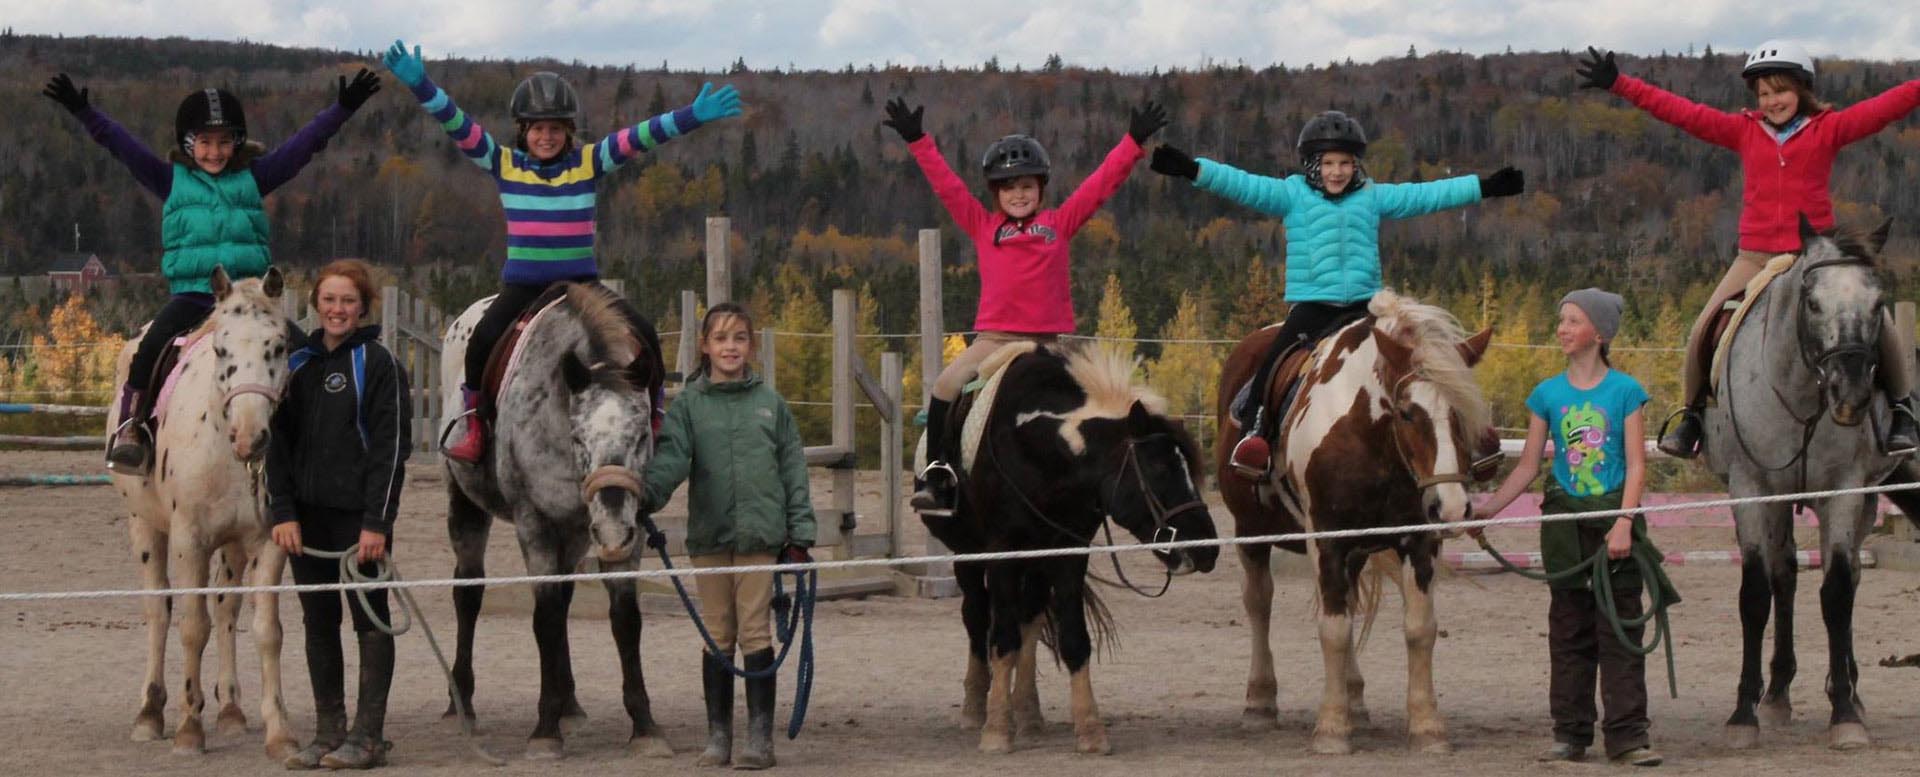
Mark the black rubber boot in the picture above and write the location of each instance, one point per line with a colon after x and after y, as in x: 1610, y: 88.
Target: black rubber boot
x: 366, y: 746
x: 1682, y: 438
x: 935, y: 496
x: 1902, y: 436
x: 718, y: 684
x: 759, y: 751
x: 327, y: 673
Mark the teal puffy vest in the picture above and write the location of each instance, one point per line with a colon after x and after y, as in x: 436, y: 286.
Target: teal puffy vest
x: 212, y: 221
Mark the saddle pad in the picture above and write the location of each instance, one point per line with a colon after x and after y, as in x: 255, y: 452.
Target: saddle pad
x: 1774, y: 268
x: 506, y: 353
x: 180, y: 351
x: 975, y: 426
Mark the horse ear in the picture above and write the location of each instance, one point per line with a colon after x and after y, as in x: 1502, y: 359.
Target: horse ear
x: 1395, y: 352
x: 1807, y: 232
x: 1139, y: 418
x: 1878, y: 238
x: 575, y: 373
x: 273, y: 283
x: 1476, y: 346
x: 221, y: 286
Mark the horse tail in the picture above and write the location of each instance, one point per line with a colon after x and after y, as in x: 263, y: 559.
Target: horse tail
x: 1100, y: 625
x: 1367, y: 594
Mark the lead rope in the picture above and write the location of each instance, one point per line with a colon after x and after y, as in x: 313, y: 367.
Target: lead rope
x: 385, y: 570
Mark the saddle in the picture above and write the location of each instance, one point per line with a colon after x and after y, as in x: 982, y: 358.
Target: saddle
x: 166, y: 372
x: 967, y: 419
x: 1283, y: 382
x: 1726, y: 321
x: 505, y: 358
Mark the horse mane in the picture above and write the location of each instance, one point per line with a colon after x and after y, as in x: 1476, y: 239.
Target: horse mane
x: 1106, y: 373
x: 1435, y: 336
x: 608, y: 336
x: 252, y: 292
x: 1856, y: 242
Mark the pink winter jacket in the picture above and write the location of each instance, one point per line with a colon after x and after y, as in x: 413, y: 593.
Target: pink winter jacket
x: 1024, y: 281
x: 1783, y: 180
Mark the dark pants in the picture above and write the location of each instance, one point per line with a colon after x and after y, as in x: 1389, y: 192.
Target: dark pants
x: 1582, y: 644
x: 334, y: 530
x: 514, y: 300
x: 1305, y: 321
x: 181, y: 314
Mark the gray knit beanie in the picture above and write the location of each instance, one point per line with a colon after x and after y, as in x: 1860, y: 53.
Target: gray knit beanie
x: 1602, y: 308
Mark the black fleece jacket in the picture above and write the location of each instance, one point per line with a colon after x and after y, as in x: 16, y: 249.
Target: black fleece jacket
x: 339, y: 443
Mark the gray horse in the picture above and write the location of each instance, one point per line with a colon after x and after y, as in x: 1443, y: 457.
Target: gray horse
x: 1797, y: 411
x: 572, y: 434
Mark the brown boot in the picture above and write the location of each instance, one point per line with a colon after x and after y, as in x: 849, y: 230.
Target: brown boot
x: 132, y: 450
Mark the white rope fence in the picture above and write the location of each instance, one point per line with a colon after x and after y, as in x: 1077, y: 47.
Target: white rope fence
x: 640, y: 574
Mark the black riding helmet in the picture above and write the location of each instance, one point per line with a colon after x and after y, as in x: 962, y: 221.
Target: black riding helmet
x: 1331, y: 131
x: 1014, y: 156
x: 543, y: 96
x: 208, y: 109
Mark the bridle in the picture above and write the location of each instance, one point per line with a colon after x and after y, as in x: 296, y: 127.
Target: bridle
x: 1818, y: 361
x: 1437, y: 478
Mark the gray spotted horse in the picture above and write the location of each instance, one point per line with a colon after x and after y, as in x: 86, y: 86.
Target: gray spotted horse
x: 572, y: 431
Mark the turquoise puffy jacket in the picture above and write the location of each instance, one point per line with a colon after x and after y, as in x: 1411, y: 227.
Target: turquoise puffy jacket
x: 209, y: 221
x: 1333, y: 246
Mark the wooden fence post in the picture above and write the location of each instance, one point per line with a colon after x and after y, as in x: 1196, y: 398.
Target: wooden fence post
x: 719, y: 270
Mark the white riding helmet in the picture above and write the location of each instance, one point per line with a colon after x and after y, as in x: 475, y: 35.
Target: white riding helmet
x: 1779, y: 54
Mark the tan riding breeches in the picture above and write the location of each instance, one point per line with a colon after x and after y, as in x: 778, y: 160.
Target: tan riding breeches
x: 957, y: 374
x: 1896, y: 347
x: 736, y: 607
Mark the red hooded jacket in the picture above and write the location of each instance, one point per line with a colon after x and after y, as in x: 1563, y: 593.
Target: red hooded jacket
x: 1782, y: 180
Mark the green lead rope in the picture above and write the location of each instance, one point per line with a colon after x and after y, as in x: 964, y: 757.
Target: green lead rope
x: 1660, y: 595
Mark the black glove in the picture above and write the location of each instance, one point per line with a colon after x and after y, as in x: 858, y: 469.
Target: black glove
x: 795, y: 554
x: 355, y: 94
x: 61, y: 90
x: 1168, y: 160
x: 1598, y: 70
x: 1504, y: 182
x: 903, y: 121
x: 1146, y: 120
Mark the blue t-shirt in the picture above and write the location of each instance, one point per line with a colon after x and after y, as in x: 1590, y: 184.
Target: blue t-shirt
x: 1586, y: 427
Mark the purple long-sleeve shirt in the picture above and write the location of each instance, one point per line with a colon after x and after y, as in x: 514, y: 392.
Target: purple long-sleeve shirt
x: 270, y: 170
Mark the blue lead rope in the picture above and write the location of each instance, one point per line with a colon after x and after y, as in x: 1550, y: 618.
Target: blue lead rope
x: 791, y: 615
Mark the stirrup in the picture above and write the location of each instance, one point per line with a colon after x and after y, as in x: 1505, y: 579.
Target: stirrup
x: 141, y: 468
x: 1908, y: 449
x: 931, y: 505
x: 1246, y: 471
x: 1666, y: 430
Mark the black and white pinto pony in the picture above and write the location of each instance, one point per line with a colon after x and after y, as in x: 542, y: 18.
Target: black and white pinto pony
x: 572, y: 433
x: 1798, y: 411
x: 1070, y: 441
x: 201, y: 497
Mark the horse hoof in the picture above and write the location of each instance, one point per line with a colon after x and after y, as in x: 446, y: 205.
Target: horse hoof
x: 148, y: 728
x: 279, y: 749
x: 1259, y: 721
x: 1030, y: 727
x: 995, y: 743
x: 1328, y: 745
x: 1093, y: 744
x: 1775, y: 715
x: 542, y: 749
x: 1743, y: 737
x: 231, y: 722
x: 972, y: 720
x: 653, y: 746
x: 190, y: 738
x: 1432, y: 744
x: 1359, y: 716
x: 1848, y: 736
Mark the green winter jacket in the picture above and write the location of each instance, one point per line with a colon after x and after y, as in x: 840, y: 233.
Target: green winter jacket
x: 739, y: 444
x: 209, y: 221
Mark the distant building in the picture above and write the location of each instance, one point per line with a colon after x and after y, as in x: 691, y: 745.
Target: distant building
x: 77, y: 273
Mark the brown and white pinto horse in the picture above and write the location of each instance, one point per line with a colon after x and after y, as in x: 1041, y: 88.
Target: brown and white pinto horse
x: 1381, y: 434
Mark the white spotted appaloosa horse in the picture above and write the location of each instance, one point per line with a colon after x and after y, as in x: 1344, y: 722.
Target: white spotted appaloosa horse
x: 200, y: 496
x: 1381, y: 435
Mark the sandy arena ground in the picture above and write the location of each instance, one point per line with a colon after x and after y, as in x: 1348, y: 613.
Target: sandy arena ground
x: 888, y: 689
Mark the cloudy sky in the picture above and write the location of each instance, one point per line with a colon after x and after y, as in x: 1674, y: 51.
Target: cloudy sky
x: 1122, y: 34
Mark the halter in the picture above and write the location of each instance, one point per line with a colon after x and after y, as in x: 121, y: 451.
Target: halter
x: 611, y: 476
x: 1437, y: 478
x: 1817, y: 360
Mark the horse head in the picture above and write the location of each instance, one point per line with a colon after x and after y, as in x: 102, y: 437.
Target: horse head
x: 250, y: 357
x: 611, y: 422
x: 1152, y: 487
x: 1838, y: 316
x: 1435, y: 409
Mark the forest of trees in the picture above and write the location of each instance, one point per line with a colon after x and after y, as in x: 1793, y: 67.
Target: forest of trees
x: 822, y: 196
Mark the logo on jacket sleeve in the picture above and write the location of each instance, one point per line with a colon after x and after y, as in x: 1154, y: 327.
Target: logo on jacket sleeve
x: 335, y: 382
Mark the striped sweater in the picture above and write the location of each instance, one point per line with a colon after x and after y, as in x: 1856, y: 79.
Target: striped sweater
x: 549, y: 206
